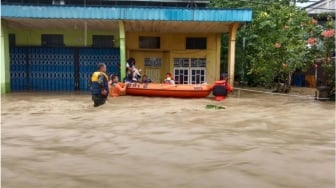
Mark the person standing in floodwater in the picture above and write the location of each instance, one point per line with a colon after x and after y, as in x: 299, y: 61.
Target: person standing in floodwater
x: 99, y: 84
x: 221, y: 88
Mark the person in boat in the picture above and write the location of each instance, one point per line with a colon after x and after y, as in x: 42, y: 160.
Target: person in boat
x: 221, y: 88
x: 136, y: 75
x: 146, y: 80
x: 99, y: 85
x: 169, y: 79
x: 133, y: 74
x: 115, y: 87
x: 130, y: 64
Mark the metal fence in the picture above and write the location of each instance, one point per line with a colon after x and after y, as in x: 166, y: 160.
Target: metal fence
x: 58, y: 69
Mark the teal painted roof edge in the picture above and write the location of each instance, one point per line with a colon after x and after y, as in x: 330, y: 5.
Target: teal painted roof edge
x: 127, y: 13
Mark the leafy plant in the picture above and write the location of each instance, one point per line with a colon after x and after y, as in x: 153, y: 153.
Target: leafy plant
x: 321, y: 43
x: 275, y: 43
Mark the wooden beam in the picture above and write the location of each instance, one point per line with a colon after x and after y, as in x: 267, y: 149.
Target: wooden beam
x: 232, y: 50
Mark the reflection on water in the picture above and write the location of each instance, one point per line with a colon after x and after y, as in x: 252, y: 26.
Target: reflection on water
x: 257, y: 141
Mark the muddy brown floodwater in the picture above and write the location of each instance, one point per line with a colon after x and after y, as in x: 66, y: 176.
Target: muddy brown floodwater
x: 258, y: 141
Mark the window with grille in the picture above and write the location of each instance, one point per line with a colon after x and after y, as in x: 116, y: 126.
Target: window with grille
x: 149, y: 42
x: 103, y: 41
x: 11, y: 40
x: 52, y: 40
x: 196, y: 43
x: 190, y: 70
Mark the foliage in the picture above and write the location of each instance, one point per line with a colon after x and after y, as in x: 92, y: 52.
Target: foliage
x: 321, y: 42
x: 275, y: 41
x: 276, y: 45
x: 216, y: 107
x: 256, y: 5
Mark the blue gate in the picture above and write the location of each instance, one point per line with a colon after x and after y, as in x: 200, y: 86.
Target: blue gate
x: 18, y: 69
x: 51, y: 69
x: 90, y: 57
x: 58, y: 69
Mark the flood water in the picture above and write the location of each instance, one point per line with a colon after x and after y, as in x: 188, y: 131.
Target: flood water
x: 258, y: 141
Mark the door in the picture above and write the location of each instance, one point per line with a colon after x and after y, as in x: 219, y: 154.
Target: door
x: 153, y: 68
x: 190, y: 70
x: 151, y: 63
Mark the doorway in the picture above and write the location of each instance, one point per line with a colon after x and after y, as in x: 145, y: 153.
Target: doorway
x: 190, y: 70
x: 153, y: 64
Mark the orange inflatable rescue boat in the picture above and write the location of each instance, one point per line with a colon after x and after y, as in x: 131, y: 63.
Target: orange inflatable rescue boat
x: 168, y: 90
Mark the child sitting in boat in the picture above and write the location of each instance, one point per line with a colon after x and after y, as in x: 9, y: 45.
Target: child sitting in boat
x: 146, y: 80
x: 221, y: 88
x: 115, y: 87
x: 169, y: 79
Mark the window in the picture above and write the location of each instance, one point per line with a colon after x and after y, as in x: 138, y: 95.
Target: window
x: 11, y: 40
x: 196, y: 43
x: 149, y: 42
x: 152, y: 62
x: 58, y: 2
x: 190, y: 70
x: 103, y: 41
x: 52, y: 40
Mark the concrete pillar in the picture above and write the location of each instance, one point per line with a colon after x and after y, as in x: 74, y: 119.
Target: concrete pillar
x: 232, y: 51
x: 122, y: 39
x: 218, y: 54
x: 4, y: 59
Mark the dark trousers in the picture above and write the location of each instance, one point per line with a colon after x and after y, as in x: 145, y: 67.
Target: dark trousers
x: 219, y: 90
x: 98, y: 100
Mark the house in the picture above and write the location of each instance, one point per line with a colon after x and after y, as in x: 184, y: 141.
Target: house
x: 321, y: 7
x: 54, y: 45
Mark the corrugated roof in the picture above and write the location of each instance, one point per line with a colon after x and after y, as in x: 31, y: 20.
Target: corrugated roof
x: 127, y: 13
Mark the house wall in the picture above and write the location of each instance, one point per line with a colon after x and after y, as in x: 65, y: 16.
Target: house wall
x: 172, y: 46
x: 73, y: 38
x: 320, y: 7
